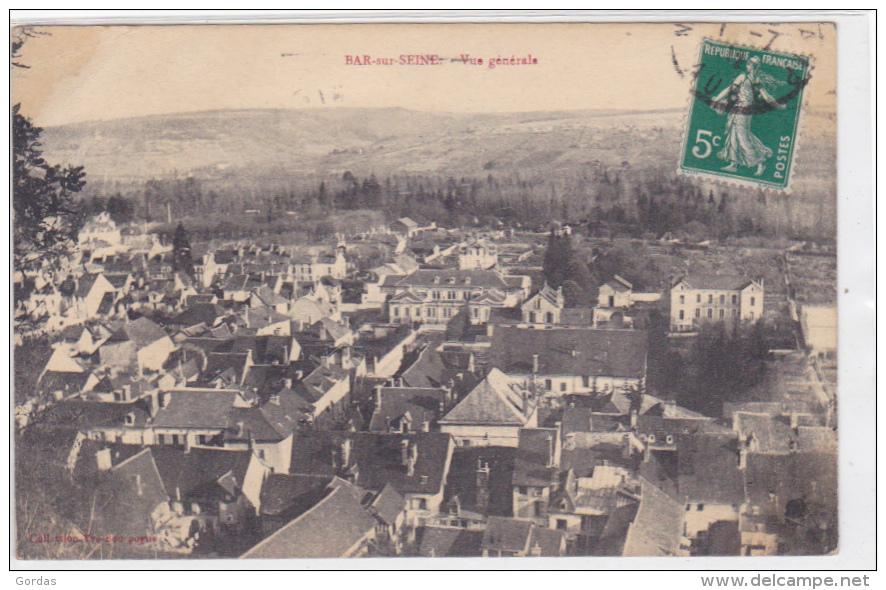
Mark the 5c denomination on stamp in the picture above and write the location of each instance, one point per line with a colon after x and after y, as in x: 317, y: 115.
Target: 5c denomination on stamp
x: 744, y: 115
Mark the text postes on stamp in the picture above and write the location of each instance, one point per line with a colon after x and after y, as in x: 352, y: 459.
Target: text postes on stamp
x: 744, y: 114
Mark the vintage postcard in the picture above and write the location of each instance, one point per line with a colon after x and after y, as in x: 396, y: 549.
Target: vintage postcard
x: 289, y: 291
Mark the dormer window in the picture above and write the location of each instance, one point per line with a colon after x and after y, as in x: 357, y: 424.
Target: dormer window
x: 451, y: 280
x: 424, y: 480
x: 129, y: 420
x: 651, y: 439
x: 436, y: 280
x: 467, y: 280
x: 670, y: 439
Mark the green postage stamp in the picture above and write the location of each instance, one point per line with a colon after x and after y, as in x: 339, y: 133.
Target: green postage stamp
x: 744, y: 115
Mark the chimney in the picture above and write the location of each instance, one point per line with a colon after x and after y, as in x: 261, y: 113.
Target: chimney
x: 534, y: 364
x: 346, y: 453
x: 164, y: 399
x: 626, y: 448
x: 426, y: 426
x: 743, y: 457
x: 287, y: 383
x: 413, y: 457
x: 103, y: 459
x: 404, y: 452
x: 633, y: 419
x: 138, y: 484
x: 482, y: 485
x: 795, y: 422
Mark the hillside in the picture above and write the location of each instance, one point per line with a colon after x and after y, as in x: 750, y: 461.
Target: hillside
x: 257, y: 152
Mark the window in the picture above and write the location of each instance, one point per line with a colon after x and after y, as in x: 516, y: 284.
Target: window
x: 420, y: 504
x: 563, y: 386
x: 651, y: 438
x: 475, y: 312
x: 176, y: 440
x: 722, y: 299
x: 682, y: 314
x: 722, y: 313
x: 548, y: 384
x: 700, y: 507
x: 521, y: 490
x: 753, y: 301
x: 549, y: 318
x: 161, y: 439
x: 697, y: 313
x: 531, y: 317
x: 751, y: 315
x: 710, y: 313
x: 682, y: 299
x: 734, y: 299
x: 585, y: 381
x: 710, y: 298
x: 561, y: 524
x: 735, y: 313
x: 698, y: 298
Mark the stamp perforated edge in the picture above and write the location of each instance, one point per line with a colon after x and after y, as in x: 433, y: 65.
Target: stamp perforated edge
x: 741, y: 182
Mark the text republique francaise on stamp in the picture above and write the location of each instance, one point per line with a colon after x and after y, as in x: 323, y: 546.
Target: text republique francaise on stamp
x: 744, y: 115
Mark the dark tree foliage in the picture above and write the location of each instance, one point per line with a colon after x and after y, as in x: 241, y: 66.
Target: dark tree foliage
x: 562, y: 267
x: 45, y: 222
x: 181, y: 252
x: 723, y: 364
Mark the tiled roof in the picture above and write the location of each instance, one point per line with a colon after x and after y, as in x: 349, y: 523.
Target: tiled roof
x: 198, y: 313
x: 388, y: 505
x: 771, y: 434
x: 658, y: 526
x: 507, y: 534
x: 132, y: 492
x: 143, y: 332
x: 283, y: 493
x: 570, y: 351
x: 715, y: 282
x: 422, y: 404
x: 535, y: 457
x: 197, y: 472
x: 496, y: 400
x: 707, y: 469
x: 440, y: 542
x: 379, y: 458
x: 486, y: 279
x: 332, y: 528
x: 196, y: 409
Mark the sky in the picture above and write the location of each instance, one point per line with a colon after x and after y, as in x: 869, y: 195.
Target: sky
x: 85, y: 73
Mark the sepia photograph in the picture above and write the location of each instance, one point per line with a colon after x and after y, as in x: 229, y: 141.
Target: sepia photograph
x: 290, y: 290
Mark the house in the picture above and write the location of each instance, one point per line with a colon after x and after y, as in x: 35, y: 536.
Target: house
x: 408, y: 409
x: 305, y: 311
x: 509, y: 537
x: 696, y: 299
x: 309, y: 268
x: 448, y: 542
x: 267, y: 321
x: 478, y: 255
x: 339, y: 525
x: 615, y: 293
x: 544, y: 307
x: 92, y: 292
x: 132, y: 500
x: 648, y: 524
x: 566, y: 361
x: 219, y: 485
x: 536, y: 473
x: 327, y: 388
x: 416, y: 465
x: 408, y: 228
x: 492, y: 413
x: 140, y: 342
x: 435, y: 296
x: 99, y: 229
x: 285, y: 497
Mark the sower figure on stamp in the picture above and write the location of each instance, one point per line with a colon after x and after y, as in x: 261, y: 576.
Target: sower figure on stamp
x: 741, y: 147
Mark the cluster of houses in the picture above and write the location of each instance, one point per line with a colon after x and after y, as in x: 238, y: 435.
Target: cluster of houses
x: 285, y: 402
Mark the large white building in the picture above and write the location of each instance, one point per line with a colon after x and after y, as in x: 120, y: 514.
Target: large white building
x: 435, y: 296
x: 696, y: 299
